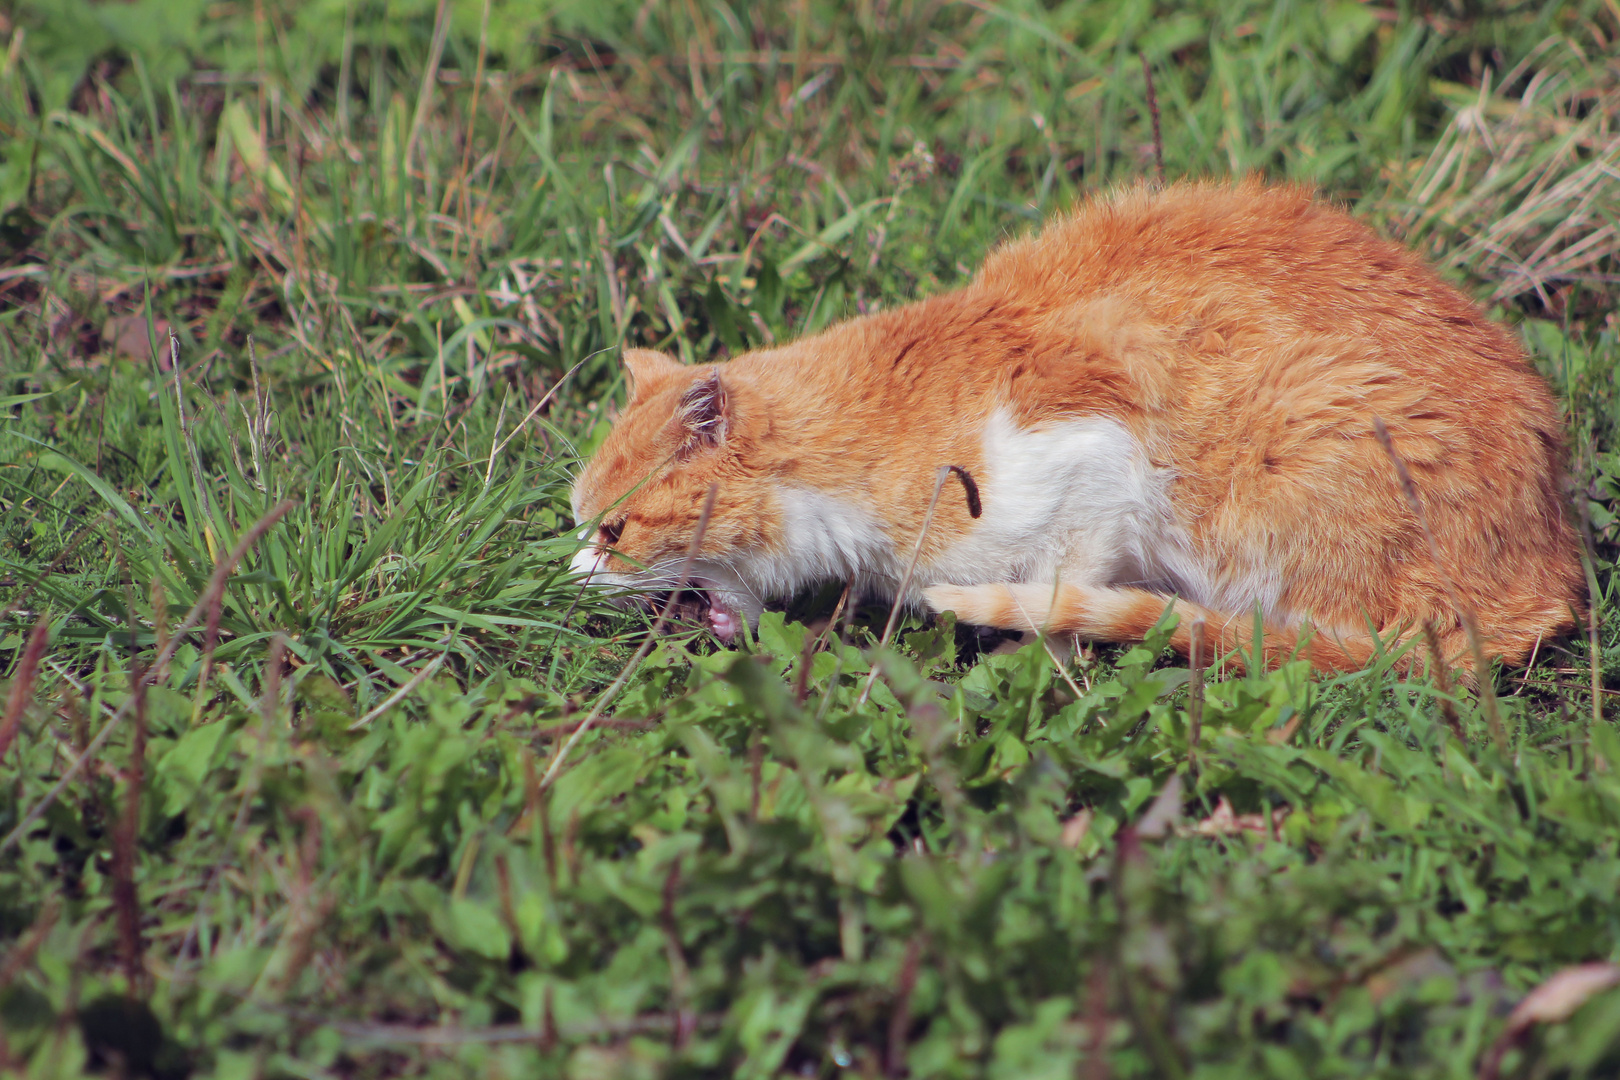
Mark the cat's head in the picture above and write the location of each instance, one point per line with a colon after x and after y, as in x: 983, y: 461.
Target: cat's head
x: 640, y: 498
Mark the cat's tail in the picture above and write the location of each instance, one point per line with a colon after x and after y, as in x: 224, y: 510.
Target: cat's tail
x: 1120, y: 615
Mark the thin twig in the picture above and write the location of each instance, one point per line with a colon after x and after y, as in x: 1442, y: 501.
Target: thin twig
x: 1442, y: 675
x: 1153, y: 109
x: 22, y: 953
x: 1195, y: 686
x: 269, y: 707
x: 612, y: 691
x: 22, y: 684
x: 1128, y: 869
x: 916, y: 555
x: 126, y: 899
x: 1482, y: 666
x: 363, y: 1034
x: 613, y: 723
x: 905, y: 581
x: 756, y: 771
x: 542, y: 403
x: 216, y: 584
x: 216, y: 610
x: 416, y: 680
x: 894, y: 1064
x: 1593, y: 600
x: 1098, y: 1021
x: 679, y: 972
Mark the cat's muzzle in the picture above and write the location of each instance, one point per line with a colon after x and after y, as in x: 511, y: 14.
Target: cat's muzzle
x: 691, y: 606
x: 699, y: 602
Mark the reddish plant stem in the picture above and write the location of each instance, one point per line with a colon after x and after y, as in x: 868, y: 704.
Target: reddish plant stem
x: 22, y: 684
x: 894, y: 1064
x: 126, y: 899
x: 216, y: 585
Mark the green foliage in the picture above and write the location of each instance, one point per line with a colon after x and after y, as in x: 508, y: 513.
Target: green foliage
x: 396, y: 254
x: 745, y: 885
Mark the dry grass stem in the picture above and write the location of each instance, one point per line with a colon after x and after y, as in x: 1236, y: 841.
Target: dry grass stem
x: 1521, y: 190
x: 552, y: 392
x: 216, y: 585
x: 905, y: 579
x: 337, y: 864
x: 629, y: 669
x: 409, y: 688
x: 1442, y: 678
x: 1153, y: 111
x: 126, y: 900
x: 1196, y: 662
x: 22, y: 683
x: 1482, y: 667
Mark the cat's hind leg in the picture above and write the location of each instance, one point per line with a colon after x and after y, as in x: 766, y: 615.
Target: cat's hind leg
x: 1123, y: 615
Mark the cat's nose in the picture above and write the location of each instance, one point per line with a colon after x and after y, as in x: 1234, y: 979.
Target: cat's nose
x: 587, y: 560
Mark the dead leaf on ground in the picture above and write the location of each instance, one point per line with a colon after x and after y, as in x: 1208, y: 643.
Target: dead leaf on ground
x: 1225, y: 822
x: 1164, y: 812
x: 125, y: 335
x: 1553, y: 1002
x: 1556, y: 1000
x: 1076, y: 828
x: 1279, y: 736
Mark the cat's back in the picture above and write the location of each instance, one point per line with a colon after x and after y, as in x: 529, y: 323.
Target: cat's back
x: 1266, y: 288
x: 1274, y: 255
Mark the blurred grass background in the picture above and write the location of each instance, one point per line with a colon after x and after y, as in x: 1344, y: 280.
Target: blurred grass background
x: 377, y: 258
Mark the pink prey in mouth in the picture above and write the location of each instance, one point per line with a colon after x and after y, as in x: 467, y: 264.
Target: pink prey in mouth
x: 722, y: 620
x: 707, y: 599
x: 705, y: 607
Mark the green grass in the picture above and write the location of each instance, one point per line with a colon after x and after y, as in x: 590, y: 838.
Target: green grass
x: 315, y: 822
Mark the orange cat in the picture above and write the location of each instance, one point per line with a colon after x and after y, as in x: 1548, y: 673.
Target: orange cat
x: 1165, y: 396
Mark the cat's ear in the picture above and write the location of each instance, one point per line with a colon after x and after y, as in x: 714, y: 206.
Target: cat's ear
x: 704, y: 414
x: 647, y: 370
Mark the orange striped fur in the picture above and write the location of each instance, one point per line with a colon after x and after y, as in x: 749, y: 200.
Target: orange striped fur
x: 1167, y: 394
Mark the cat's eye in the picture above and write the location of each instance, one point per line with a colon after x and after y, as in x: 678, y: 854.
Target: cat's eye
x: 611, y: 531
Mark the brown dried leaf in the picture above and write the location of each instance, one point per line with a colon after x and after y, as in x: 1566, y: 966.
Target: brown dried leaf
x: 1555, y: 1000
x: 125, y: 335
x: 1076, y: 828
x: 1225, y: 822
x: 1279, y: 736
x: 1163, y: 813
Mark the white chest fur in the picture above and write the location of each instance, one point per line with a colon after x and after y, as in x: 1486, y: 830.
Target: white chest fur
x: 1076, y: 501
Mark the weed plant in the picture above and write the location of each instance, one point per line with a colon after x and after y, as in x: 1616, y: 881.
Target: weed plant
x: 308, y: 312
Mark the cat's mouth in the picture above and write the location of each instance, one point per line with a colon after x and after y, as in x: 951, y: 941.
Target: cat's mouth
x: 706, y: 607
